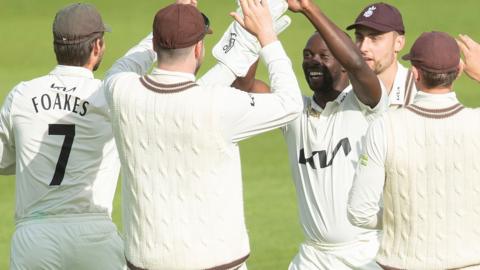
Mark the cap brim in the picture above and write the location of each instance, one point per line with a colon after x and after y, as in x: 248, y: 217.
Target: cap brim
x: 407, y: 57
x: 107, y: 28
x: 372, y: 25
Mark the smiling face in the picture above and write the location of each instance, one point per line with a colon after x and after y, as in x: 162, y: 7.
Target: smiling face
x: 378, y: 49
x: 322, y: 71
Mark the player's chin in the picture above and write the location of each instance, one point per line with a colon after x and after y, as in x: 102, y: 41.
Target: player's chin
x: 316, y: 83
x: 371, y: 63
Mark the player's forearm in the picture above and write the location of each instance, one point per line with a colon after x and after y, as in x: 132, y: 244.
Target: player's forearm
x: 265, y: 112
x: 337, y: 41
x: 363, y: 208
x: 282, y: 78
x: 366, y: 85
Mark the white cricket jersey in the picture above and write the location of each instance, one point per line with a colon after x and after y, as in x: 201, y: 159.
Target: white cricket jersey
x: 403, y: 89
x: 182, y: 186
x: 56, y: 130
x: 323, y: 146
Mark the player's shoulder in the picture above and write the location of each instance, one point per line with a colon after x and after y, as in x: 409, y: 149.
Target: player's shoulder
x: 348, y: 99
x: 118, y: 79
x: 32, y: 83
x: 23, y: 87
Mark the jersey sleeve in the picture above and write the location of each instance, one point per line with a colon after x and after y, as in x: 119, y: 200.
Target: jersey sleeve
x: 218, y: 75
x: 245, y: 114
x: 365, y: 195
x: 382, y: 106
x: 138, y: 59
x: 7, y: 145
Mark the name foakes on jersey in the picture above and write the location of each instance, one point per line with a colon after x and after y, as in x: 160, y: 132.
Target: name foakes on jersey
x: 60, y: 101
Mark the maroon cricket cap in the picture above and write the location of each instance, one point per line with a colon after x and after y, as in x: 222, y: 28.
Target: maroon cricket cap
x: 179, y: 26
x: 76, y: 23
x: 381, y: 17
x: 435, y: 52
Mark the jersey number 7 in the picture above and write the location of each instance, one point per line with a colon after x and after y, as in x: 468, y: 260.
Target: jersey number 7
x: 69, y: 132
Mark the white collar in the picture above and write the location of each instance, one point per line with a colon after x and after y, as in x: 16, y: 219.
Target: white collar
x: 434, y: 101
x: 397, y: 95
x: 73, y: 71
x: 338, y: 100
x: 172, y: 76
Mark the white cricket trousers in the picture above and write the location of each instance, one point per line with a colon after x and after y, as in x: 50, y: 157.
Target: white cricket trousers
x: 70, y: 242
x: 356, y: 255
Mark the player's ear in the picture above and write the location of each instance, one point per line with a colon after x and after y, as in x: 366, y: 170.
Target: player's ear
x: 154, y: 45
x: 198, y: 50
x: 416, y: 74
x: 97, y: 47
x: 399, y: 42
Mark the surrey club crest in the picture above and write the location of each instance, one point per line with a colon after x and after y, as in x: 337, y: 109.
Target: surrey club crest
x: 369, y: 11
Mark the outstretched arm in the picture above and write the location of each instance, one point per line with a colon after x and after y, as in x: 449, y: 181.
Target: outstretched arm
x: 364, y: 81
x: 245, y: 114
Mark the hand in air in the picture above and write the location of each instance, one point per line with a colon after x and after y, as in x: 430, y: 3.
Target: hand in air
x: 471, y: 56
x: 257, y: 20
x: 299, y: 5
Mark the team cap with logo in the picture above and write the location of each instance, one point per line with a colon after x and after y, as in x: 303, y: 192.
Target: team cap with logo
x: 381, y: 17
x: 76, y: 23
x: 179, y: 26
x: 435, y: 52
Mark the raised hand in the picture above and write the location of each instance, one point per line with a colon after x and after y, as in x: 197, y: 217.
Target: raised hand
x: 187, y: 2
x: 471, y: 55
x: 299, y: 5
x: 257, y: 20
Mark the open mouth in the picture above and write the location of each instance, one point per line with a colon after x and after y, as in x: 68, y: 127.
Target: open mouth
x: 315, y: 75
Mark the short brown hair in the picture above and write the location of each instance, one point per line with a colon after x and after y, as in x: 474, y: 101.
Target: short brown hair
x: 435, y: 80
x: 76, y: 54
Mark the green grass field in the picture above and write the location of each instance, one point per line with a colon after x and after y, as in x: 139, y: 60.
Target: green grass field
x: 270, y: 203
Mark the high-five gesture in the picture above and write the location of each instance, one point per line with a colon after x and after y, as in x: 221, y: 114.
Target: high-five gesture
x: 365, y: 83
x: 257, y: 20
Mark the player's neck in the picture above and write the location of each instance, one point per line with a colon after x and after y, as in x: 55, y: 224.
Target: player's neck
x: 323, y: 96
x: 184, y: 67
x: 388, y: 76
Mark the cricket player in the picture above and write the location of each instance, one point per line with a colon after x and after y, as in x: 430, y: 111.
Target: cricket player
x: 423, y: 158
x: 324, y: 146
x: 56, y: 137
x: 178, y: 141
x: 380, y: 36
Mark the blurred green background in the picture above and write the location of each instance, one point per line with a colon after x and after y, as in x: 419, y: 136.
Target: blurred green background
x: 270, y: 203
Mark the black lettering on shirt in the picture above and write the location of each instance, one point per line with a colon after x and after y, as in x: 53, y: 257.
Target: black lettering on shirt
x: 61, y: 101
x: 35, y: 104
x: 57, y: 102
x: 84, y: 107
x: 76, y: 104
x: 322, y: 155
x: 46, y: 102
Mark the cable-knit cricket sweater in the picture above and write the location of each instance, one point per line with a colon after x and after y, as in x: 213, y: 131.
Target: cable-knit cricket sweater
x: 424, y: 157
